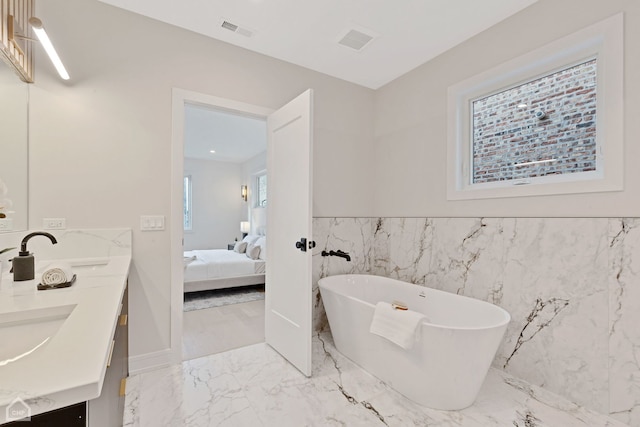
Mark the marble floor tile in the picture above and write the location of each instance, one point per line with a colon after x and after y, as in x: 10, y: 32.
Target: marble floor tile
x: 255, y: 386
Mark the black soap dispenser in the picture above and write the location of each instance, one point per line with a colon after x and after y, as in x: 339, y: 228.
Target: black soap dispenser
x: 24, y: 263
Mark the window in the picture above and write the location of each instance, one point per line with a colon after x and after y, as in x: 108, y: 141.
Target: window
x: 549, y: 122
x: 187, y: 203
x: 261, y: 185
x: 546, y: 126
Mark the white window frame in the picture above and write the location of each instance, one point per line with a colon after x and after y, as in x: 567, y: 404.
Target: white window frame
x: 604, y: 41
x: 187, y: 203
x: 256, y: 181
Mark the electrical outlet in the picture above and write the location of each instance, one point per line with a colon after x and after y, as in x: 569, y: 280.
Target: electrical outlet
x: 6, y: 224
x: 54, y: 223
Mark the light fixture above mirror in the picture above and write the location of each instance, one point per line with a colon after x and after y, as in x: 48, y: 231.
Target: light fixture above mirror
x: 38, y: 28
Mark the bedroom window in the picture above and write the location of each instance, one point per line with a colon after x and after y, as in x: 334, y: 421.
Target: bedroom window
x: 187, y: 220
x: 261, y: 185
x: 548, y: 122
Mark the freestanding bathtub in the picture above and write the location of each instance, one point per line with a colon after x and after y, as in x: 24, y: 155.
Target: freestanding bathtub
x: 455, y: 347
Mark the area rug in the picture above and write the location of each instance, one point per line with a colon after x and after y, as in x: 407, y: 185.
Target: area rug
x: 219, y: 297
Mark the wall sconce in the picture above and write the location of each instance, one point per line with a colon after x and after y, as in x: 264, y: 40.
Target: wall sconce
x: 244, y: 228
x: 244, y: 192
x: 36, y: 24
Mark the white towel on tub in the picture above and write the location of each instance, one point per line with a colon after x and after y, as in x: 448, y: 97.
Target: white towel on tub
x: 401, y: 327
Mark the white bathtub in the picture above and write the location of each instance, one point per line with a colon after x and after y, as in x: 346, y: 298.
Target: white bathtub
x: 447, y: 365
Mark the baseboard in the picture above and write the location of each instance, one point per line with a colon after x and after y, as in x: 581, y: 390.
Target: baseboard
x: 150, y: 361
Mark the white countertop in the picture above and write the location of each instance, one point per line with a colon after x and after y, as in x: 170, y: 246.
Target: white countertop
x: 70, y: 367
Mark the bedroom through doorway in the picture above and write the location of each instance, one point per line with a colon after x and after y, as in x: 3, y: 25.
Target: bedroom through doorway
x: 224, y: 198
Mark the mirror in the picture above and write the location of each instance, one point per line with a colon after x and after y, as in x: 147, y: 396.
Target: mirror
x: 13, y: 151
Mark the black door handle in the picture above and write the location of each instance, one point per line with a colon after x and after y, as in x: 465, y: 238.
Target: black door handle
x: 302, y: 244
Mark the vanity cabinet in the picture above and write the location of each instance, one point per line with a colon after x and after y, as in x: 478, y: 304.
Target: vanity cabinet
x: 108, y: 409
x: 69, y: 416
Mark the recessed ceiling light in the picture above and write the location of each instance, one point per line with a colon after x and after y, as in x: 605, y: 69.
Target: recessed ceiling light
x: 212, y: 151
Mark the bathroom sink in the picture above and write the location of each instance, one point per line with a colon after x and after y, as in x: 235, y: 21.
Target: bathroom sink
x: 91, y: 267
x: 95, y: 267
x: 89, y: 264
x: 78, y: 265
x: 25, y: 332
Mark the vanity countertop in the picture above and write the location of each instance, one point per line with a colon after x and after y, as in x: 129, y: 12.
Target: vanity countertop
x: 67, y: 366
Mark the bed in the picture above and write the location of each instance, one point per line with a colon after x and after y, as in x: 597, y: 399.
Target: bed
x: 221, y: 268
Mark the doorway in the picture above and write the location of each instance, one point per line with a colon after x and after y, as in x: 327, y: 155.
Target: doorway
x: 225, y: 158
x: 288, y: 303
x: 237, y: 172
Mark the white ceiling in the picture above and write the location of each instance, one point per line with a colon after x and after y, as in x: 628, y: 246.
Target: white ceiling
x: 234, y: 138
x: 407, y: 33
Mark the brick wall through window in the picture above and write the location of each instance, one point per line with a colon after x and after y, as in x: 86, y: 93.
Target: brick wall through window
x: 510, y: 142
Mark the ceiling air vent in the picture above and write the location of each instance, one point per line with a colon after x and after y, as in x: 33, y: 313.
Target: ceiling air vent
x: 355, y: 39
x: 236, y: 28
x: 229, y: 26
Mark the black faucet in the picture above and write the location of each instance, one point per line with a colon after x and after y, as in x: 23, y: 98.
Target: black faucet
x: 24, y: 263
x: 339, y: 253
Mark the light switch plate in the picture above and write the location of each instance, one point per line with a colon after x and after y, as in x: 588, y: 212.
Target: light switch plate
x: 54, y: 223
x: 151, y: 222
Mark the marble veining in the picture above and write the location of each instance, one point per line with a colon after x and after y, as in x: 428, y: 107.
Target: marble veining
x: 540, y: 317
x: 329, y: 357
x: 570, y: 285
x: 624, y: 309
x: 255, y: 386
x: 351, y: 235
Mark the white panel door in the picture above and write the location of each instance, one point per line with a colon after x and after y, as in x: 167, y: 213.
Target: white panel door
x: 288, y: 278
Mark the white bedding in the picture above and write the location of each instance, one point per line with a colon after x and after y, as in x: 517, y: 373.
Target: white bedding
x: 218, y: 263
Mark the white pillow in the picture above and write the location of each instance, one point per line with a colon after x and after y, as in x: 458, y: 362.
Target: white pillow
x: 253, y: 251
x: 250, y: 238
x: 262, y: 242
x: 240, y: 247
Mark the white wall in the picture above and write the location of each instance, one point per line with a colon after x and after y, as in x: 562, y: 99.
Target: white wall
x: 216, y: 206
x: 411, y: 119
x: 100, y: 144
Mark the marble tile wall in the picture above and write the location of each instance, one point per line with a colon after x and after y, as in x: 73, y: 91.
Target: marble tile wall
x: 624, y: 318
x: 351, y: 235
x: 73, y: 243
x: 570, y: 285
